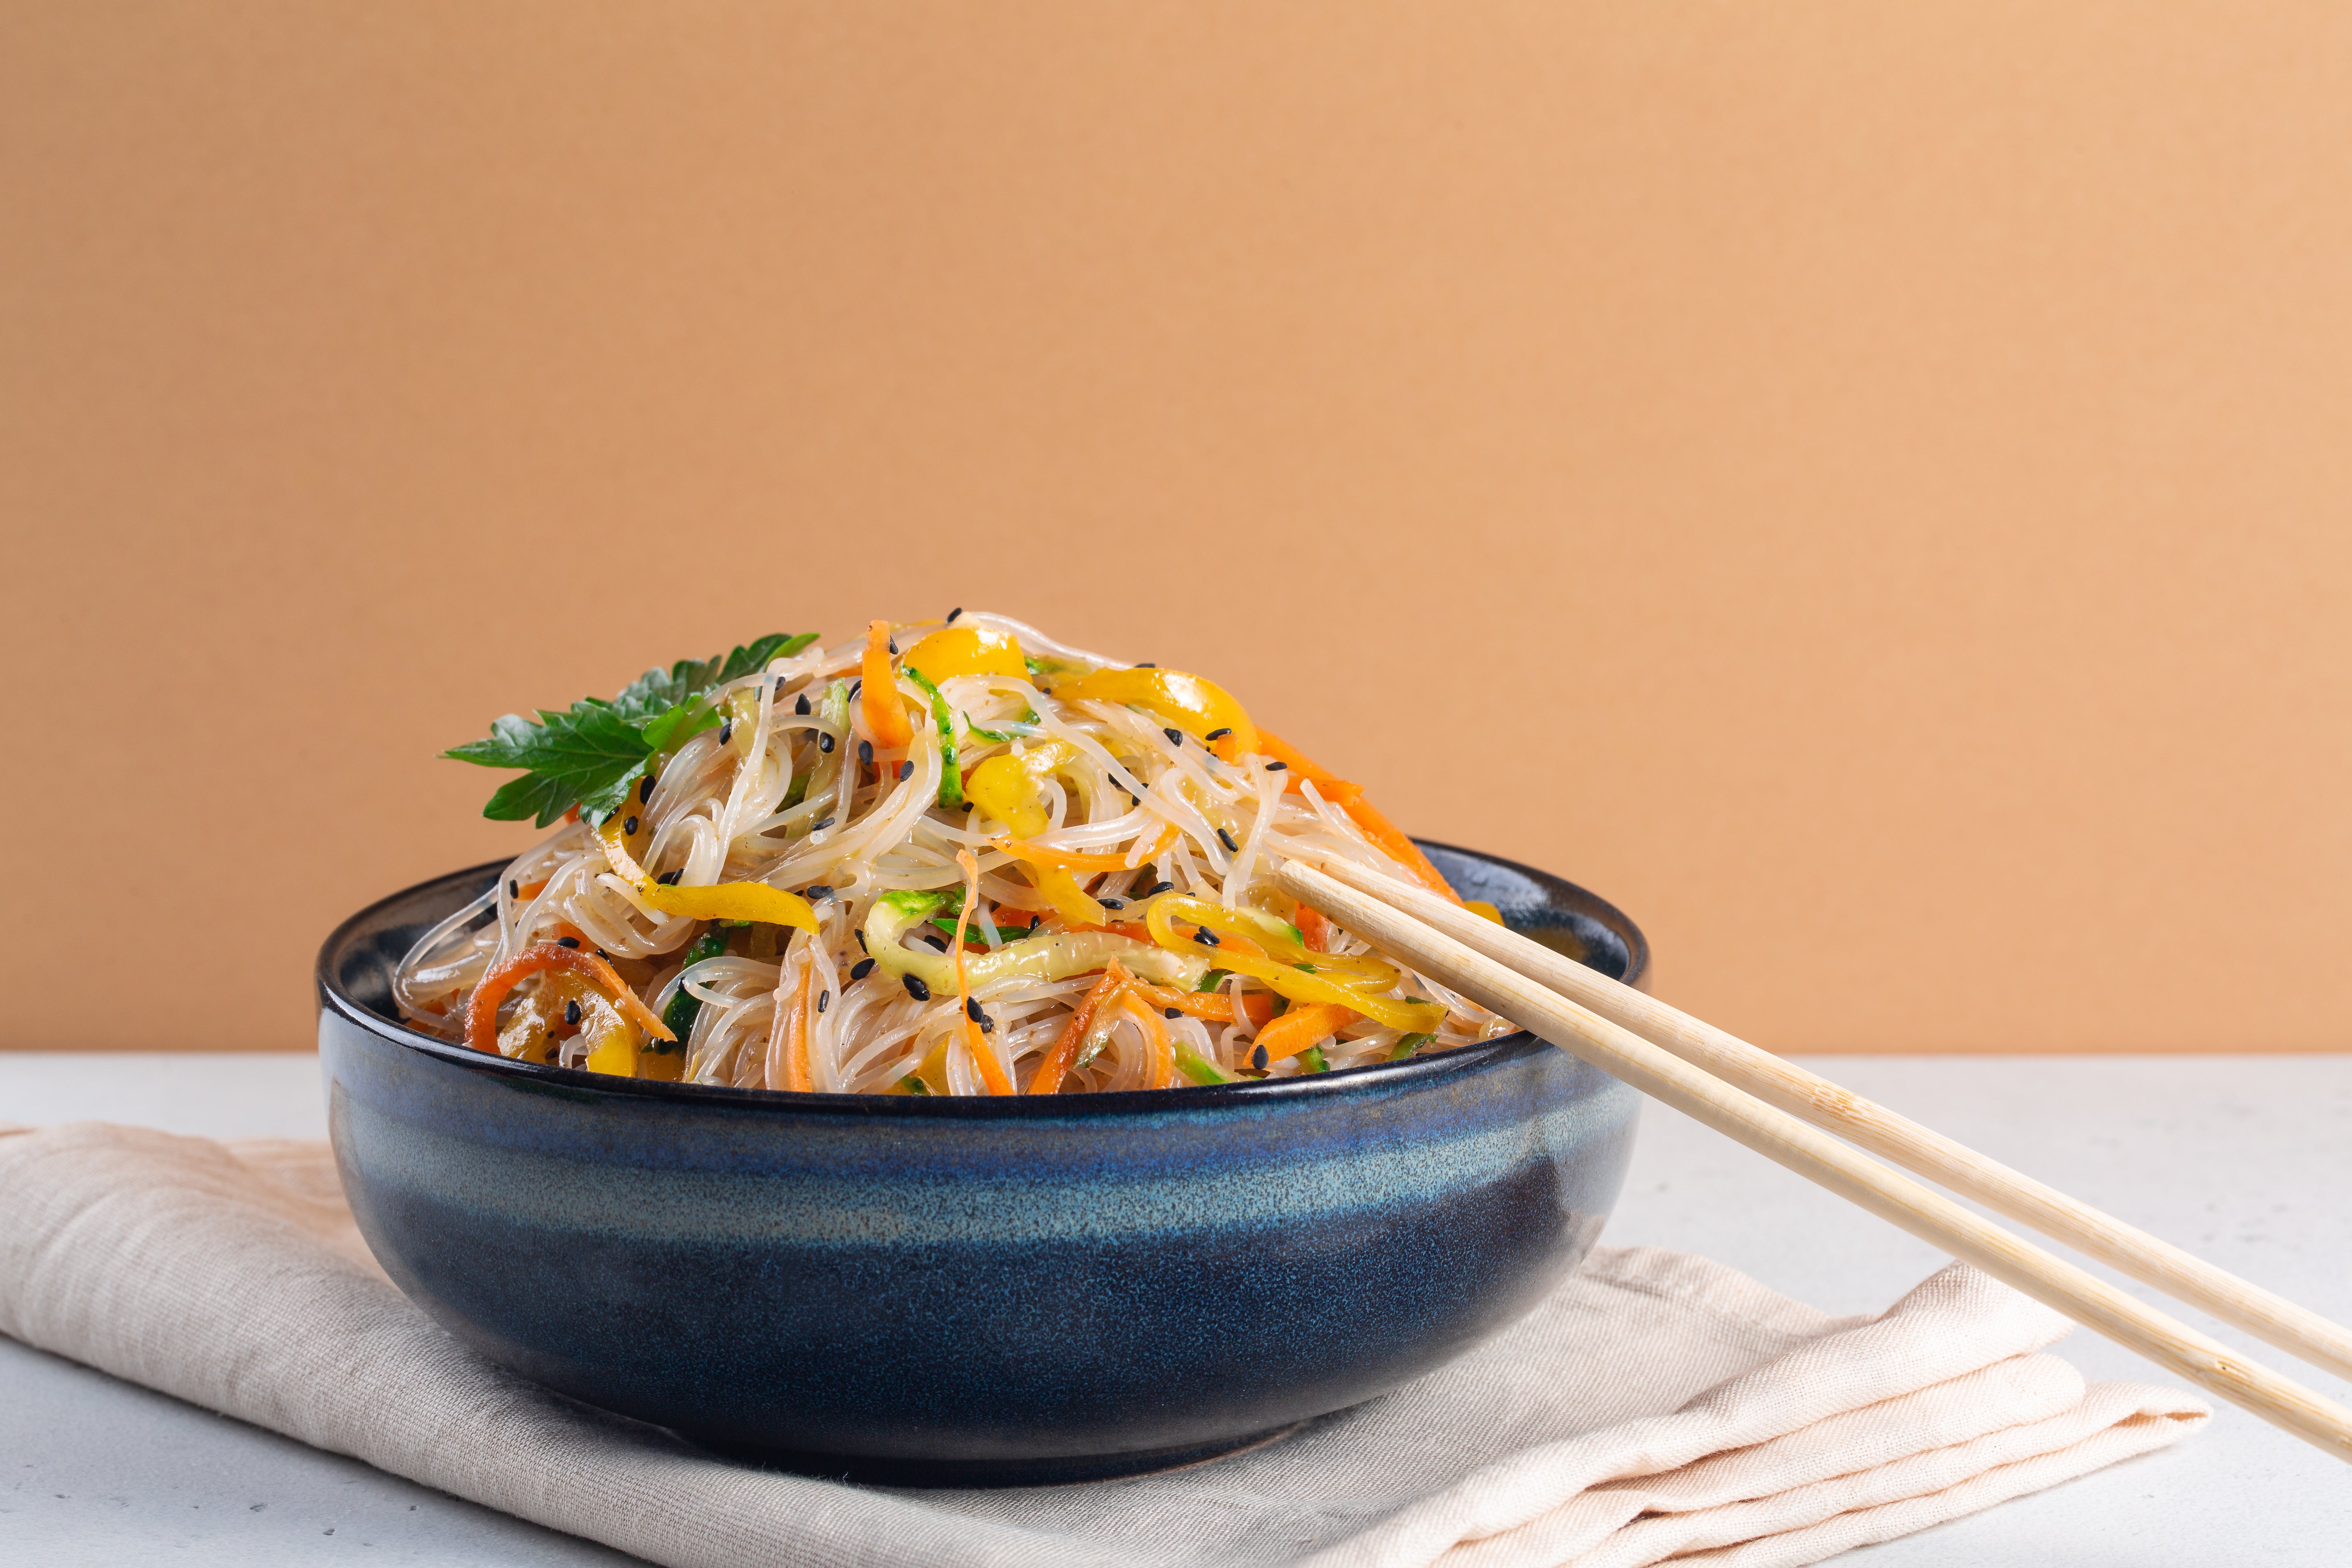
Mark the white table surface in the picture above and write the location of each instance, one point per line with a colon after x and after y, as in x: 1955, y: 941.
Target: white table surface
x: 2246, y: 1160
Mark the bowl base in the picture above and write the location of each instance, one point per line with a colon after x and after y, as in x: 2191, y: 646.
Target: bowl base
x: 871, y: 1470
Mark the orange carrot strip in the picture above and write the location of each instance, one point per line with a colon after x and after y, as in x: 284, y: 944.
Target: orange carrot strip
x: 1349, y: 797
x: 1074, y: 860
x: 796, y: 1036
x: 1313, y: 931
x: 1047, y: 1078
x: 482, y: 1012
x: 1210, y: 1007
x: 1164, y: 1050
x: 991, y: 1071
x: 1302, y: 1027
x: 886, y: 712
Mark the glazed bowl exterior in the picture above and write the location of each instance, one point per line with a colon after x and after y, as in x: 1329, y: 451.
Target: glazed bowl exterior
x: 945, y: 1290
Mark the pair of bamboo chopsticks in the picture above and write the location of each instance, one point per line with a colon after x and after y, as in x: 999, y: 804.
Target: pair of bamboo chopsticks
x: 1788, y: 1114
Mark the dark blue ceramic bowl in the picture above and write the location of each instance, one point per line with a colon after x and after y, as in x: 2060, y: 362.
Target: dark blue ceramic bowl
x: 958, y: 1291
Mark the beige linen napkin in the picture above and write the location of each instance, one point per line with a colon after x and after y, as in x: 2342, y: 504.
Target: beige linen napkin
x: 1656, y: 1406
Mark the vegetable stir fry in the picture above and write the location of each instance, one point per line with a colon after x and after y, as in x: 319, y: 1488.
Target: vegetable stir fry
x: 953, y: 857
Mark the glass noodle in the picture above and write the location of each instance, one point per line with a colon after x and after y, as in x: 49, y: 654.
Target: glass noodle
x: 1122, y: 930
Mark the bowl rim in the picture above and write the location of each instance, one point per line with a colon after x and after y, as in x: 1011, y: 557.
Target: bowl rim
x: 1209, y: 1097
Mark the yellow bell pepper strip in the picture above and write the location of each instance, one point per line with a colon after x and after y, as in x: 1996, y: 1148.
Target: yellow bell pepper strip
x: 991, y: 1071
x: 1058, y: 956
x: 886, y: 712
x: 950, y: 775
x: 482, y: 1011
x: 929, y: 1077
x: 1055, y: 1065
x: 1300, y: 1028
x: 1155, y: 1034
x: 967, y: 651
x: 1050, y: 870
x: 1010, y: 788
x: 1483, y: 909
x: 1266, y: 936
x: 1322, y: 982
x: 1385, y: 834
x: 613, y: 1050
x: 726, y: 902
x: 1186, y: 701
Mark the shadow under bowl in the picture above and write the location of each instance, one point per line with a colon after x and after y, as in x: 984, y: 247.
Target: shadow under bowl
x: 974, y: 1291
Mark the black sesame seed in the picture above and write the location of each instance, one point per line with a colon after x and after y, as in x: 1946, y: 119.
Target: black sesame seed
x: 1226, y: 839
x: 726, y: 732
x: 1147, y: 664
x: 645, y: 789
x: 601, y: 953
x: 855, y: 686
x: 1276, y: 767
x: 1113, y: 903
x: 1172, y: 1011
x: 916, y: 988
x: 669, y: 878
x: 630, y: 825
x: 572, y: 1014
x: 1205, y: 938
x: 802, y: 706
x: 816, y: 891
x: 971, y: 1009
x: 1175, y: 736
x: 567, y: 941
x: 861, y: 969
x: 821, y: 827
x: 938, y: 944
x: 906, y: 772
x: 824, y: 741
x: 780, y: 688
x: 861, y: 940
x: 894, y: 646
x: 1158, y: 887
x: 953, y: 614
x: 1258, y: 1059
x: 514, y: 889
x: 823, y: 1000
x: 865, y: 750
x: 1218, y: 735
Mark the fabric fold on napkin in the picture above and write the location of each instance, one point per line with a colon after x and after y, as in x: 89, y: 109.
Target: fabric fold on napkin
x: 1656, y: 1406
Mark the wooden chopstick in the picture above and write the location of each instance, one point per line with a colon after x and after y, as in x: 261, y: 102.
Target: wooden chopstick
x: 1821, y: 1158
x: 1946, y: 1162
x: 2298, y: 1331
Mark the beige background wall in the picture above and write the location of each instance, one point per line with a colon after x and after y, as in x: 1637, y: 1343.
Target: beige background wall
x: 1867, y: 487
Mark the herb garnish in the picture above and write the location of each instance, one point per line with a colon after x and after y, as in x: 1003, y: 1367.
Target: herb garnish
x: 591, y: 755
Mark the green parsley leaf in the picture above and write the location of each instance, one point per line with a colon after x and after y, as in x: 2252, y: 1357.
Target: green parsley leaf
x: 592, y: 754
x: 655, y: 690
x: 578, y: 758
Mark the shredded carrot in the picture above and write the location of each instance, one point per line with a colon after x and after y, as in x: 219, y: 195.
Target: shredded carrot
x: 1389, y: 839
x: 1047, y: 1079
x: 1074, y: 860
x: 885, y: 714
x: 796, y: 1034
x: 482, y: 1012
x: 1302, y: 1027
x: 1211, y: 1006
x: 1313, y: 931
x: 1164, y: 1050
x: 991, y: 1071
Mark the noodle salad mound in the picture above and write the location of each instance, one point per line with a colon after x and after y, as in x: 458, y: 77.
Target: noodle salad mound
x: 951, y: 858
